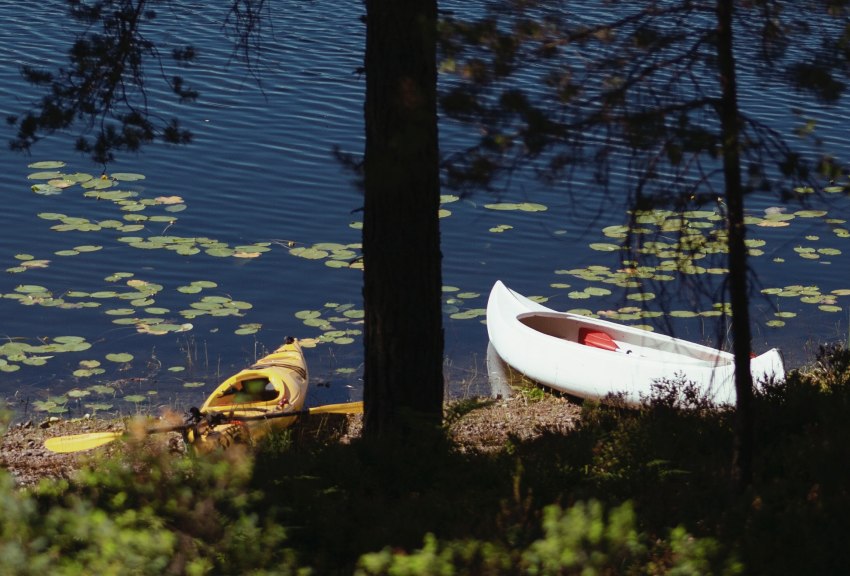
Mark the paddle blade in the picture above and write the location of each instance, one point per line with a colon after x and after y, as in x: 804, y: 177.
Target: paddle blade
x: 345, y: 408
x: 80, y: 442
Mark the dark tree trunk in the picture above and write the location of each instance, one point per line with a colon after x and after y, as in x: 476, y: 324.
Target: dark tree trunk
x: 738, y: 291
x: 402, y: 290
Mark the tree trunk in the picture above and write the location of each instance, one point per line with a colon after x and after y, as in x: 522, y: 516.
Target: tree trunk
x: 402, y: 289
x: 738, y: 289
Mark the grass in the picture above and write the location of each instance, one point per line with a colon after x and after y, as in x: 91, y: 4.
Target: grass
x: 645, y: 491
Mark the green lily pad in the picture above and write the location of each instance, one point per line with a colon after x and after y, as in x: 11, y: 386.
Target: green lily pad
x: 47, y: 165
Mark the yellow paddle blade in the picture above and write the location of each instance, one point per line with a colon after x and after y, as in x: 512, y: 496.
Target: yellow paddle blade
x: 80, y: 442
x: 346, y: 408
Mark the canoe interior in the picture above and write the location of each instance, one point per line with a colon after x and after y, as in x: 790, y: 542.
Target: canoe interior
x: 641, y: 343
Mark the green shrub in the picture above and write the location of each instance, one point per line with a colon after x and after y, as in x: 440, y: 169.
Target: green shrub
x: 582, y: 540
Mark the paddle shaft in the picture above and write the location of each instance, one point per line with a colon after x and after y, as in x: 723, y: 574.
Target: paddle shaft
x: 81, y: 442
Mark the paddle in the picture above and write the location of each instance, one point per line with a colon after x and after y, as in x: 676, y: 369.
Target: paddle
x: 81, y: 442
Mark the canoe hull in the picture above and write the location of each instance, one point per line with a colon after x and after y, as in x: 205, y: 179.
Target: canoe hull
x: 275, y: 384
x: 545, y: 345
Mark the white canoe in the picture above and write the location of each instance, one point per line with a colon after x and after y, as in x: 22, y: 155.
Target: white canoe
x: 592, y: 358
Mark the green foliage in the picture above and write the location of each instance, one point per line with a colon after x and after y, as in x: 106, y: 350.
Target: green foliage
x: 148, y: 512
x: 627, y: 491
x: 580, y: 540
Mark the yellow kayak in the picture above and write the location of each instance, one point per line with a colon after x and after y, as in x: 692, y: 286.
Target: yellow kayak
x: 250, y: 404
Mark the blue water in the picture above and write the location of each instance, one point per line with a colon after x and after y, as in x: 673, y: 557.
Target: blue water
x: 261, y: 169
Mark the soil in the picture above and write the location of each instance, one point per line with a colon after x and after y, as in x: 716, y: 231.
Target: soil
x: 485, y: 428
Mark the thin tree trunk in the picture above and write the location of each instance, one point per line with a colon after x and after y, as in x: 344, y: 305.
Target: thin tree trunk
x: 402, y: 290
x: 738, y: 289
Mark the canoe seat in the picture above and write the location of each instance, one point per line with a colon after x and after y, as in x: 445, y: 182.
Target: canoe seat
x: 597, y: 339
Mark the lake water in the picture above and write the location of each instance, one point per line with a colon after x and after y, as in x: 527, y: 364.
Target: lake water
x: 261, y: 175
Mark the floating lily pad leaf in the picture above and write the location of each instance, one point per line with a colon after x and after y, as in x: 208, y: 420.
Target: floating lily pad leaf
x: 189, y: 289
x: 576, y: 295
x: 829, y: 251
x: 469, y: 314
x: 522, y: 207
x: 104, y: 294
x: 46, y: 189
x: 810, y: 213
x: 61, y: 183
x: 248, y: 329
x: 97, y: 184
x: 242, y: 254
x: 829, y: 308
x: 77, y: 393
x: 309, y: 253
x: 804, y: 190
x: 47, y: 165
x: 683, y: 314
x: 157, y: 310
x: 841, y: 292
x: 785, y: 314
x: 67, y: 253
x: 44, y: 406
x: 834, y: 189
x: 176, y: 368
x: 596, y: 291
x: 773, y: 224
x: 443, y: 213
x: 87, y: 372
x: 343, y: 341
x: 604, y: 247
x: 252, y: 248
x: 127, y: 176
x: 31, y: 289
x: 641, y: 296
x: 306, y: 314
x: 616, y: 231
x: 49, y: 175
x: 120, y: 358
x: 501, y: 228
x: 89, y: 363
x: 193, y: 384
x: 134, y: 398
x: 88, y: 248
x: 168, y: 200
x: 355, y: 314
x: 448, y: 198
x: 98, y: 406
x: 78, y: 177
x: 502, y: 206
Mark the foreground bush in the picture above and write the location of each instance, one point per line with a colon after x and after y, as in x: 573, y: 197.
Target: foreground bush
x: 582, y: 540
x: 148, y: 512
x: 644, y: 491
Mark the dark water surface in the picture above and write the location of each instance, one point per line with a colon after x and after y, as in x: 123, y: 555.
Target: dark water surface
x: 261, y: 170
